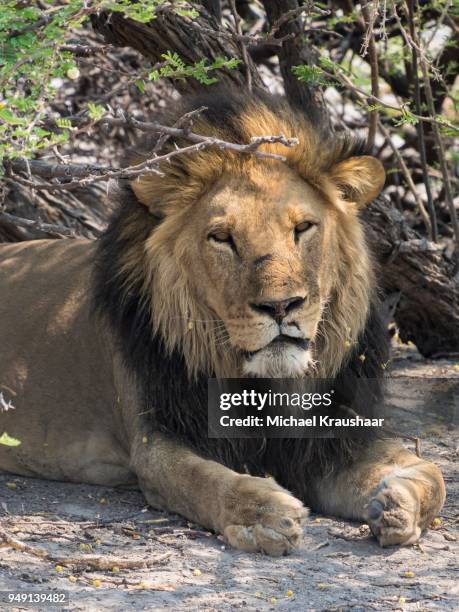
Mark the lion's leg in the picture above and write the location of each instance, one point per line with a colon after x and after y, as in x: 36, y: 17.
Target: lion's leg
x: 393, y: 490
x: 254, y: 514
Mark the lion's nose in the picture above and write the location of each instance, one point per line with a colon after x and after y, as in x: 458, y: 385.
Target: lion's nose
x: 278, y: 309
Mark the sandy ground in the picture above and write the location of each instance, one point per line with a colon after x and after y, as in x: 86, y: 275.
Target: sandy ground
x: 339, y: 567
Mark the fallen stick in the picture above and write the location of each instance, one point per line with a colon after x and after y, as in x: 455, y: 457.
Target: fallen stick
x: 405, y: 436
x: 96, y: 562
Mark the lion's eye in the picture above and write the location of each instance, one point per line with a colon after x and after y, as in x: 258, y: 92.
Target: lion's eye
x: 221, y: 236
x: 303, y: 227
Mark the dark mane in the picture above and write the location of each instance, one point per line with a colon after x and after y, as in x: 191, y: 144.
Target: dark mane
x: 174, y: 405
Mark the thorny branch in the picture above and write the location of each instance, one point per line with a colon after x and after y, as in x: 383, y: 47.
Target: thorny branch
x: 57, y: 231
x: 269, y: 38
x: 93, y: 173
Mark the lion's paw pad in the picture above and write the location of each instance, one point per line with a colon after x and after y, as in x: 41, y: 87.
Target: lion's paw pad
x: 393, y: 515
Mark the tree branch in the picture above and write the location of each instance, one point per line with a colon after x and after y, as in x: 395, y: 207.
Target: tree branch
x: 89, y: 174
x: 428, y: 311
x: 55, y: 231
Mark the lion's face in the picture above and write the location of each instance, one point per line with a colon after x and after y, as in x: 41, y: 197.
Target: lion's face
x: 259, y: 259
x: 260, y: 251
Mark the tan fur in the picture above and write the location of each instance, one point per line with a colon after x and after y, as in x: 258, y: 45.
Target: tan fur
x: 77, y: 409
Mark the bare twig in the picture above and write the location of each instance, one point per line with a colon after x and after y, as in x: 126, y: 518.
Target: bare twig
x: 411, y: 38
x: 175, y: 132
x: 185, y: 122
x: 307, y: 7
x: 85, y: 50
x: 393, y: 432
x: 369, y: 17
x: 405, y: 436
x: 441, y: 158
x: 244, y: 52
x: 259, y: 38
x: 53, y: 170
x: 438, y: 23
x: 185, y: 133
x: 408, y: 178
x: 31, y: 27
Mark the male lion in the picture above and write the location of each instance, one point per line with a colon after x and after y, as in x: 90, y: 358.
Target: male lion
x: 227, y: 265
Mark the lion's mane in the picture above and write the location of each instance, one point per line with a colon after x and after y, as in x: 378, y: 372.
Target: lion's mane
x: 148, y: 305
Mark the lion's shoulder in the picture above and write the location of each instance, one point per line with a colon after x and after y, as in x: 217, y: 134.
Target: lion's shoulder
x: 40, y: 252
x: 40, y: 273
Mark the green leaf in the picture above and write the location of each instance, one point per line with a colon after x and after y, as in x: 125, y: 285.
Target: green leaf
x: 407, y: 116
x: 10, y: 118
x: 64, y: 123
x: 7, y: 440
x: 154, y: 75
x: 140, y: 84
x: 310, y: 74
x: 96, y: 111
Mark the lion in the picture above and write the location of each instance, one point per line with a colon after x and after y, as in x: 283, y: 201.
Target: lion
x: 223, y: 265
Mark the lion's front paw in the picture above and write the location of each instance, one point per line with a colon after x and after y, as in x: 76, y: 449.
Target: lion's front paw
x: 393, y: 513
x: 263, y: 517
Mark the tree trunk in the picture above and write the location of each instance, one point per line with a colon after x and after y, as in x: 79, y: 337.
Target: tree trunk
x: 294, y: 53
x: 428, y: 311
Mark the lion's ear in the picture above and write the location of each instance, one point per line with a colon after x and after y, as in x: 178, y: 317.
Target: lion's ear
x: 140, y: 187
x: 144, y: 189
x: 359, y: 179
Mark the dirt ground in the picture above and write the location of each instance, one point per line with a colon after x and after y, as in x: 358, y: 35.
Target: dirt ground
x: 339, y: 567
